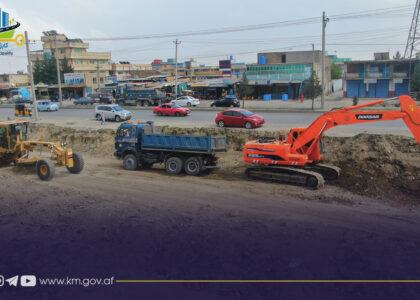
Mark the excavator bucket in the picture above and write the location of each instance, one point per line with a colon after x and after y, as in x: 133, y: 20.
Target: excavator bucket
x: 412, y: 119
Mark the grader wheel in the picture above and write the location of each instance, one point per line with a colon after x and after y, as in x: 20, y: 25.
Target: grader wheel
x: 45, y: 169
x: 78, y: 164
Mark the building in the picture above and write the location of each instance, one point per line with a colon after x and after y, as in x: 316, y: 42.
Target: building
x: 94, y: 66
x: 280, y: 75
x: 11, y: 81
x: 378, y: 78
x: 125, y: 70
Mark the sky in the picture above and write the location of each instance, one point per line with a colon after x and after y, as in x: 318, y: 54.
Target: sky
x: 356, y: 38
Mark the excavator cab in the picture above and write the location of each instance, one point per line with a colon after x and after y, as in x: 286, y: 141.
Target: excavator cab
x: 23, y: 110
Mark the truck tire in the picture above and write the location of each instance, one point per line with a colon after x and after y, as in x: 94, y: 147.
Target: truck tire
x: 193, y: 166
x: 45, y: 169
x: 130, y: 162
x: 78, y: 164
x: 174, y: 165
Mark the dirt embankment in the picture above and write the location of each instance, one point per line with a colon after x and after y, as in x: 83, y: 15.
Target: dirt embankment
x: 372, y: 165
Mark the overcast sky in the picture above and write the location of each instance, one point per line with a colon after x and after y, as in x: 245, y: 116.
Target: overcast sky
x: 355, y: 38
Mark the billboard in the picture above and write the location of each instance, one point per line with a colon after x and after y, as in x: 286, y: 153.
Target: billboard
x: 74, y: 78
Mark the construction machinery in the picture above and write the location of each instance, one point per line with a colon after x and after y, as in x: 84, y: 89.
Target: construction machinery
x: 298, y: 159
x: 23, y: 110
x: 16, y: 148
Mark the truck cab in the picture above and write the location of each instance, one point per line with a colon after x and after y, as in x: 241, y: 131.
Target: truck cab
x: 128, y: 137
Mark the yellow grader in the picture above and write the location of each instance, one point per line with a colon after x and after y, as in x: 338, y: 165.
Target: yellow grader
x: 16, y: 148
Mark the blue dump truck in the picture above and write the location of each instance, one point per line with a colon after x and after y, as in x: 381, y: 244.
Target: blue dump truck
x: 140, y: 147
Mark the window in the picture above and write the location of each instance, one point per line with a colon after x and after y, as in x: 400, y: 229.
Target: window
x: 236, y: 114
x: 94, y: 80
x: 283, y: 58
x: 101, y: 80
x: 227, y: 113
x: 62, y: 51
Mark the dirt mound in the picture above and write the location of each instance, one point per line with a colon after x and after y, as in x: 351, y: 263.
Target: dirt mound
x: 371, y: 164
x: 376, y: 164
x: 96, y: 142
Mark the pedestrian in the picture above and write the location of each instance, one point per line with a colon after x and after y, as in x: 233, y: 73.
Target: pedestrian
x: 102, y: 118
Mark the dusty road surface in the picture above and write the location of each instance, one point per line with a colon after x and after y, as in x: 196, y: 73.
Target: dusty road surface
x: 146, y: 225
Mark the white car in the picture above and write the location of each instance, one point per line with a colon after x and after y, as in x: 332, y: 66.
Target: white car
x: 112, y: 112
x: 186, y: 101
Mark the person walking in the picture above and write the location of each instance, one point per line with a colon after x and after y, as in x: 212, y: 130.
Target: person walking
x: 102, y: 118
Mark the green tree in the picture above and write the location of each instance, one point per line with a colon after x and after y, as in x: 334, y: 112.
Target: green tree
x: 336, y: 72
x: 65, y: 68
x: 397, y: 56
x: 38, y: 71
x: 415, y: 79
x: 312, y: 88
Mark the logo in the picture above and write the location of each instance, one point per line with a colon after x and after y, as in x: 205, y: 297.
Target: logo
x: 28, y: 280
x: 369, y: 117
x: 13, y: 281
x: 1, y: 280
x: 8, y: 26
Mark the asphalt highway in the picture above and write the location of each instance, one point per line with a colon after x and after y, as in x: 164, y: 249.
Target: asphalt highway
x: 274, y: 120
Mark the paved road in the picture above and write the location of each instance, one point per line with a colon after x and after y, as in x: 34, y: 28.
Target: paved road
x: 274, y: 120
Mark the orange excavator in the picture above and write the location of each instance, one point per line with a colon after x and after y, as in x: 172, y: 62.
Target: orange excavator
x: 298, y: 158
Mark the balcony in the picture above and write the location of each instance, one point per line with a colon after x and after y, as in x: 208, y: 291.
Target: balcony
x: 90, y: 55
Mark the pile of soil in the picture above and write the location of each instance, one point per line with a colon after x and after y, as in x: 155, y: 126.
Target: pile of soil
x: 376, y: 164
x: 373, y: 165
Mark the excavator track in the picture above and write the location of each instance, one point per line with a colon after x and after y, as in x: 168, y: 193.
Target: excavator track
x: 291, y: 175
x: 329, y: 172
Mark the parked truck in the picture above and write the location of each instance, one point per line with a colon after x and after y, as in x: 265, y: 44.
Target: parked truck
x: 140, y: 148
x: 141, y: 96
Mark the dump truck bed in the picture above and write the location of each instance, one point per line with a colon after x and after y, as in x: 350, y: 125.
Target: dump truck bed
x: 184, y: 143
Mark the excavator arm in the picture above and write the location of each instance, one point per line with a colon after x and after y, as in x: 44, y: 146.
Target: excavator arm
x: 306, y: 140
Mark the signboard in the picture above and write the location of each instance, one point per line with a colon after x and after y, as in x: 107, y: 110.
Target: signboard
x: 8, y: 35
x: 111, y: 79
x: 74, y: 78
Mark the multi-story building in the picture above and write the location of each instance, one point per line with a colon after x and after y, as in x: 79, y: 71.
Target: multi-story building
x: 283, y: 73
x: 378, y: 78
x: 12, y: 81
x: 126, y: 70
x: 95, y: 66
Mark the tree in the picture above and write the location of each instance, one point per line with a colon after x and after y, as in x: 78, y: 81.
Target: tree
x: 397, y: 56
x: 312, y: 88
x: 65, y: 68
x: 336, y: 72
x: 45, y: 70
x: 415, y: 80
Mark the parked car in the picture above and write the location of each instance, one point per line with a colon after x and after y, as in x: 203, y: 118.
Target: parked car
x: 3, y: 100
x: 83, y: 101
x: 112, y: 112
x: 46, y: 106
x: 239, y: 118
x: 186, y: 101
x: 171, y: 109
x: 106, y: 98
x: 95, y: 97
x: 228, y: 101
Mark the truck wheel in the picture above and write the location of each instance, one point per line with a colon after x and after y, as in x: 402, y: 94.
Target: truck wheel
x: 45, y: 169
x: 173, y: 165
x: 78, y: 164
x: 130, y: 162
x: 193, y: 166
x: 117, y: 119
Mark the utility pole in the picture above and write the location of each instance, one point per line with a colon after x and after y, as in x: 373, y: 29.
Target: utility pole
x: 98, y: 76
x: 412, y: 41
x: 325, y: 20
x: 57, y: 62
x: 176, y: 42
x: 313, y: 70
x: 31, y: 76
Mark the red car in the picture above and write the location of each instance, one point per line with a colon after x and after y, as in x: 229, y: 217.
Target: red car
x: 239, y: 118
x: 170, y: 109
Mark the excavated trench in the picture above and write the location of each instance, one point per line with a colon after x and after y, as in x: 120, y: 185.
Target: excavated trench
x: 373, y: 165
